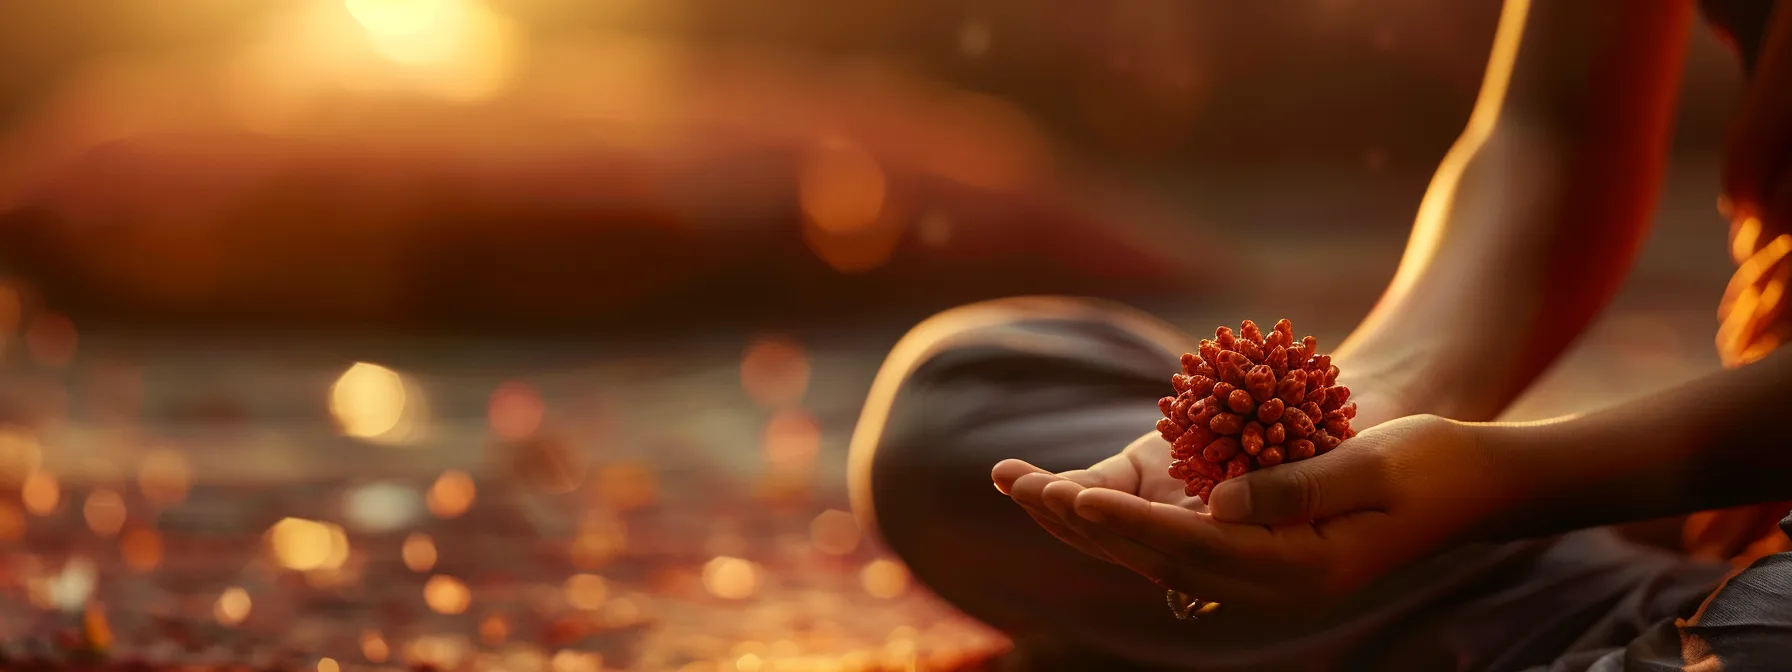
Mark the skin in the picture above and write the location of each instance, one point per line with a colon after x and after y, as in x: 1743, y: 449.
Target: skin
x: 1529, y: 228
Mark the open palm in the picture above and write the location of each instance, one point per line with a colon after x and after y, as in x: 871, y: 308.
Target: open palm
x: 1141, y: 469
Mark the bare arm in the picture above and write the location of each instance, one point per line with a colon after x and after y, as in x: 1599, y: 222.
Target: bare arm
x: 1714, y: 443
x: 1534, y: 217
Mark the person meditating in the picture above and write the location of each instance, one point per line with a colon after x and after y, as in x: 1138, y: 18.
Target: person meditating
x: 1434, y: 539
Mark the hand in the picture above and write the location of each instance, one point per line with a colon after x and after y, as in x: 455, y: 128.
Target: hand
x: 1141, y: 469
x: 1298, y: 537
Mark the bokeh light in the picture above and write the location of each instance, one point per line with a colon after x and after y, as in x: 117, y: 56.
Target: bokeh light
x: 586, y: 591
x: 515, y: 411
x: 792, y: 440
x: 774, y: 371
x: 568, y: 660
x: 141, y: 549
x: 451, y: 495
x: 382, y: 507
x: 731, y: 578
x: 368, y: 401
x: 601, y: 537
x: 884, y: 579
x: 493, y: 630
x: 40, y: 493
x: 232, y: 606
x: 164, y: 476
x: 446, y: 595
x: 419, y: 552
x: 373, y: 647
x: 834, y: 532
x: 840, y: 185
x: 328, y: 665
x: 304, y: 545
x: 104, y: 511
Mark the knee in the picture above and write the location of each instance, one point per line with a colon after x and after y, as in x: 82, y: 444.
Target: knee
x: 887, y: 433
x: 934, y: 406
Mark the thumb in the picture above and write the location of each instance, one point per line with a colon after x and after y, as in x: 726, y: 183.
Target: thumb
x: 1329, y: 485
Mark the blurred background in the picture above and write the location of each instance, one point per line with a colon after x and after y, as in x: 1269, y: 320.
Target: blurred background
x: 528, y: 334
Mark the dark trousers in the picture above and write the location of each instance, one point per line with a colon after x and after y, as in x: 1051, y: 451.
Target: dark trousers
x: 1063, y: 383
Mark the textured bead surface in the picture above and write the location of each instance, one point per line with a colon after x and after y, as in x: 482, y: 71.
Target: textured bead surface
x: 1250, y: 399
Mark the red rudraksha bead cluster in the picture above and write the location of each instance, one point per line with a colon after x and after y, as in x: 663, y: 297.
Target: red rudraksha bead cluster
x: 1252, y: 400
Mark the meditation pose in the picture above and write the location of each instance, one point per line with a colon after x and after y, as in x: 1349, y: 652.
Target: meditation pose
x: 1434, y: 538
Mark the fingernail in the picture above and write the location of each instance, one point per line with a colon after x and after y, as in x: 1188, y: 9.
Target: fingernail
x: 1231, y: 500
x: 999, y: 488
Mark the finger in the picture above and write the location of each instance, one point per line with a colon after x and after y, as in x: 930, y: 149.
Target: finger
x: 1065, y: 534
x: 1165, y: 569
x: 1029, y: 492
x: 1342, y: 481
x: 1007, y: 471
x: 1117, y: 472
x: 1060, y: 498
x: 1030, y: 489
x: 1193, y: 537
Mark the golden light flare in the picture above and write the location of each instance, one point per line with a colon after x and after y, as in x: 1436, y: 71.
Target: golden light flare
x: 12, y: 522
x: 586, y: 592
x: 396, y: 17
x: 458, y: 49
x: 104, y: 511
x: 451, y: 495
x: 40, y: 493
x: 305, y: 545
x: 52, y: 340
x: 774, y: 371
x: 446, y: 595
x: 792, y: 440
x: 328, y: 665
x: 884, y: 579
x: 515, y: 411
x: 232, y: 606
x: 373, y: 647
x: 840, y: 185
x: 164, y: 476
x: 141, y: 549
x: 419, y: 552
x: 834, y: 532
x: 730, y: 578
x: 369, y: 402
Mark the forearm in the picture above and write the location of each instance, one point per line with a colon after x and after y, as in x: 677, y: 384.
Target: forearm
x: 1716, y: 442
x: 1533, y: 219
